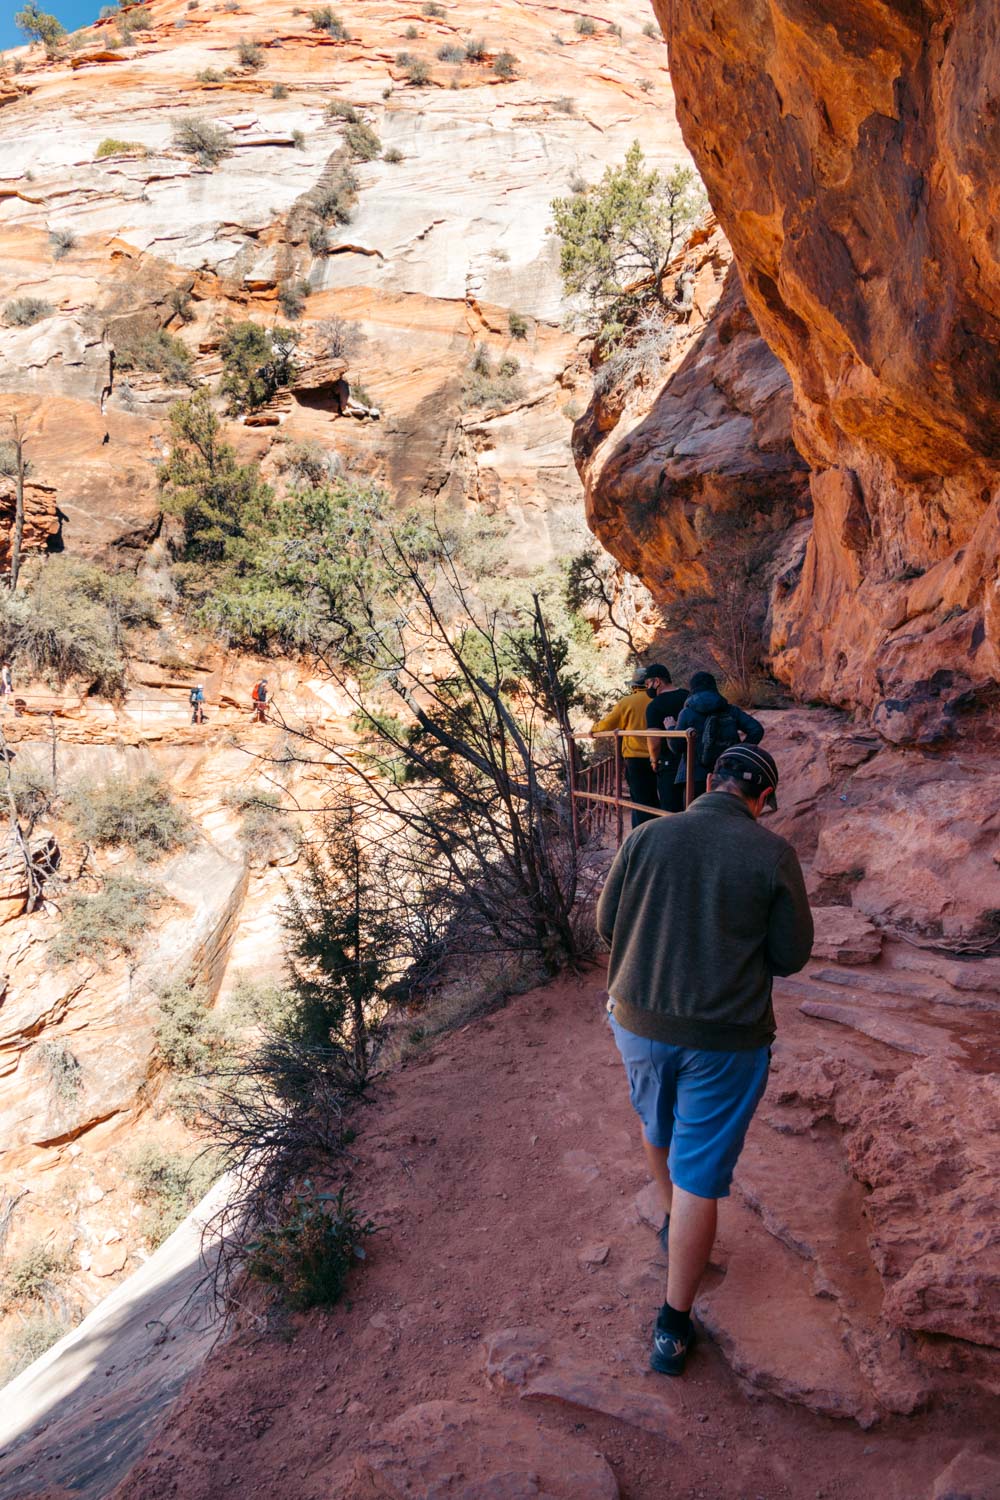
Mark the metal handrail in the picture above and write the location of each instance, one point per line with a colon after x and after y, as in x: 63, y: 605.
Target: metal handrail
x: 616, y: 800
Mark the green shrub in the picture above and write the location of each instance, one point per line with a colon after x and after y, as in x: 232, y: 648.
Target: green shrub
x: 216, y: 497
x: 32, y: 790
x: 257, y: 362
x: 154, y: 350
x: 207, y: 75
x: 29, y: 1276
x: 62, y: 1068
x: 451, y: 53
x: 362, y: 142
x: 584, y: 26
x: 179, y: 302
x: 334, y: 200
x: 517, y: 325
x: 324, y: 19
x: 319, y: 240
x: 393, y: 155
x: 418, y: 72
x: 168, y: 1185
x: 70, y: 621
x: 134, y: 811
x: 292, y: 298
x: 111, y: 146
x: 38, y: 25
x: 24, y: 311
x: 565, y: 105
x: 651, y: 29
x: 264, y: 826
x: 105, y: 923
x: 260, y: 1003
x: 411, y: 33
x: 250, y: 54
x: 340, y: 109
x: 279, y: 91
x: 299, y: 140
x: 202, y: 139
x: 61, y: 242
x: 186, y: 1033
x: 309, y: 1255
x: 29, y: 1340
x: 646, y: 84
x: 431, y: 9
x: 476, y: 49
x: 485, y: 385
x: 505, y: 65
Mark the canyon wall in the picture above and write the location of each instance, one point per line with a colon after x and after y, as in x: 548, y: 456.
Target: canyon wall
x: 848, y: 153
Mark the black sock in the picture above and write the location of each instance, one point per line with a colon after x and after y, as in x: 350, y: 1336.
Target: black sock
x: 672, y: 1321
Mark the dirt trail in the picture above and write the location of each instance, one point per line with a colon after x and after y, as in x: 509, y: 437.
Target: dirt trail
x: 504, y: 1167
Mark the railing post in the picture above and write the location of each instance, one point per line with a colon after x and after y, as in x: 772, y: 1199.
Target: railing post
x: 619, y: 822
x: 573, y: 812
x: 689, y: 769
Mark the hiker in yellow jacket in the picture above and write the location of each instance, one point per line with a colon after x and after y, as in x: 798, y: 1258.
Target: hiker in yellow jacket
x: 630, y: 713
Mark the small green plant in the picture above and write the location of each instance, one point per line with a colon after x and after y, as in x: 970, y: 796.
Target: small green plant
x: 565, y: 105
x: 340, y: 109
x: 411, y: 33
x: 431, y: 9
x: 279, y: 91
x: 168, y: 1185
x: 487, y: 386
x: 202, y: 139
x: 62, y: 1070
x: 309, y: 1255
x: 24, y: 311
x: 61, y: 242
x: 185, y: 1034
x: 392, y: 154
x: 651, y: 29
x: 361, y: 141
x: 250, y: 54
x: 154, y: 350
x: 505, y: 65
x: 418, y: 72
x: 208, y: 75
x: 451, y: 53
x: 326, y: 20
x: 29, y: 1277
x: 334, y: 202
x: 179, y: 302
x: 105, y: 923
x: 264, y: 826
x: 584, y: 26
x: 111, y: 146
x: 292, y: 298
x: 29, y: 1340
x: 476, y: 49
x: 319, y: 240
x: 646, y: 84
x: 136, y: 812
x: 299, y: 140
x: 517, y: 325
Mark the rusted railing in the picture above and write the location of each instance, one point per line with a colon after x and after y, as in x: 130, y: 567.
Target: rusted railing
x: 599, y: 785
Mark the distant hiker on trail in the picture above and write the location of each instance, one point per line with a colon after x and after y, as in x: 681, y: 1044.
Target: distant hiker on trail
x: 700, y: 912
x: 662, y: 713
x: 718, y: 725
x: 198, y: 704
x: 6, y: 685
x: 260, y: 701
x: 630, y: 713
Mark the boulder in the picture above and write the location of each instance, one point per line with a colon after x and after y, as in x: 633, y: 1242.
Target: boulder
x: 845, y: 936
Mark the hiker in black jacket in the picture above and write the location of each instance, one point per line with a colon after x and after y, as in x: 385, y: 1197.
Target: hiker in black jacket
x: 718, y: 725
x: 663, y: 713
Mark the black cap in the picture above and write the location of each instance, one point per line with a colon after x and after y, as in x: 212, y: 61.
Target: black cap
x: 753, y: 767
x: 658, y: 670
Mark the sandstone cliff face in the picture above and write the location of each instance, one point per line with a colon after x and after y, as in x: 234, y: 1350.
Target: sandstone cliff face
x: 849, y: 154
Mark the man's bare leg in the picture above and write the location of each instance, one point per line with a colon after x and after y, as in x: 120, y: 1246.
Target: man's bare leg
x: 692, y: 1235
x: 656, y: 1160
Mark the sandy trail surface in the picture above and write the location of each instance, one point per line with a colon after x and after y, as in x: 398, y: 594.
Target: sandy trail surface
x: 495, y: 1345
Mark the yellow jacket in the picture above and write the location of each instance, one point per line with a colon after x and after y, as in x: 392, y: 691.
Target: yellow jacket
x: 630, y: 713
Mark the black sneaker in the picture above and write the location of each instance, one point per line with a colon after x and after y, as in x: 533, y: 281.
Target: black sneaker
x: 670, y: 1350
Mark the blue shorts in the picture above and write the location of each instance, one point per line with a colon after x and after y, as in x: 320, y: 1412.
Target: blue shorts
x: 697, y: 1103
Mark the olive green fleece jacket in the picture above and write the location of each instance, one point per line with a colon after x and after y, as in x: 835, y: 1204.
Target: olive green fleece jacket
x: 700, y: 910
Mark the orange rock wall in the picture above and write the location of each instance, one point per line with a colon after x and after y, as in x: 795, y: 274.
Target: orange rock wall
x: 849, y: 152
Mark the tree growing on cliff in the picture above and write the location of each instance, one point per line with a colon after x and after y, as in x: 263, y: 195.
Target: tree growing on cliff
x: 619, y: 235
x: 216, y: 497
x: 38, y: 25
x: 257, y: 362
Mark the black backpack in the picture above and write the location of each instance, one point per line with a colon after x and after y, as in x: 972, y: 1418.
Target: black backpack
x: 720, y: 732
x: 194, y: 696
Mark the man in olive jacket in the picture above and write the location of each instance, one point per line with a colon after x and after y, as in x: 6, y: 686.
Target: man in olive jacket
x: 700, y: 911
